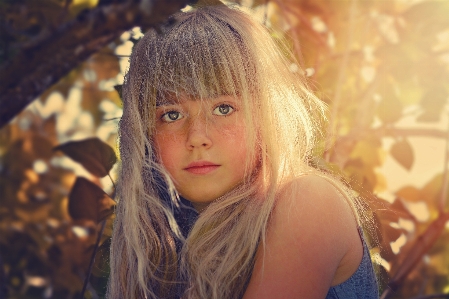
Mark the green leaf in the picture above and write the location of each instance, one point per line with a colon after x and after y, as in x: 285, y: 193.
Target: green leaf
x: 88, y: 201
x: 95, y: 155
x: 403, y: 153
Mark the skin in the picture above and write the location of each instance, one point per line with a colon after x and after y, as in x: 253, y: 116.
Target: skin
x: 211, y: 130
x: 302, y: 257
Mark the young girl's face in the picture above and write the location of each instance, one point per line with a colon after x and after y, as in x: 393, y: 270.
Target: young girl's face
x: 202, y: 144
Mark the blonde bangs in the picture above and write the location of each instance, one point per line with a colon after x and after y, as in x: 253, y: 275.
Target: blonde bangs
x: 199, y: 56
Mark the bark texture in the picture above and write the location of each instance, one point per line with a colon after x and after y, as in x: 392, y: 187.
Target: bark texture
x: 38, y: 66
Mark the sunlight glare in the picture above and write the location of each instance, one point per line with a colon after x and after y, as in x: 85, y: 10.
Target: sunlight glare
x: 86, y: 120
x: 36, y: 281
x: 39, y: 166
x: 419, y: 210
x: 378, y: 259
x: 331, y: 40
x: 187, y: 8
x: 396, y: 245
x: 318, y: 25
x: 294, y: 68
x: 368, y: 73
x: 310, y: 71
x: 386, y: 25
x: 71, y: 110
x: 124, y: 49
x: 107, y: 84
x: 80, y: 231
x: 53, y: 104
x: 136, y: 33
x: 125, y: 36
x: 67, y: 163
x: 108, y: 107
x: 408, y: 225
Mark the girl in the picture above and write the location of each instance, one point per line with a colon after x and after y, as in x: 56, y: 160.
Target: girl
x: 217, y: 198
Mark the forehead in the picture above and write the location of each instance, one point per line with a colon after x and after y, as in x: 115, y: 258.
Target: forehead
x: 173, y: 100
x: 166, y: 101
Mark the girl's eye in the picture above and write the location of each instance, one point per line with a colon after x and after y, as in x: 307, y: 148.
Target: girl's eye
x: 223, y: 110
x: 171, y: 116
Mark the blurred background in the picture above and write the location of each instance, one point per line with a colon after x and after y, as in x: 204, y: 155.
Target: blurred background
x: 381, y: 66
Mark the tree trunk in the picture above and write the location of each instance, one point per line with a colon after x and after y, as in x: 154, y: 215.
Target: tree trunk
x: 35, y: 68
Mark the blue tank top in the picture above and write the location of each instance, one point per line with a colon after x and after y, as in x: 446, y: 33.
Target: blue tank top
x: 362, y: 284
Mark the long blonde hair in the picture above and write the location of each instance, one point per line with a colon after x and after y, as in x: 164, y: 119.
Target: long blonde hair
x: 203, y: 53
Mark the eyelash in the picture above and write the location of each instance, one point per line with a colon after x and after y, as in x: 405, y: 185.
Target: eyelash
x: 166, y: 114
x: 231, y: 109
x: 166, y: 118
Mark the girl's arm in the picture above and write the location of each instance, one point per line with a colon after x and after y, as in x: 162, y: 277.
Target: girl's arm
x: 312, y: 243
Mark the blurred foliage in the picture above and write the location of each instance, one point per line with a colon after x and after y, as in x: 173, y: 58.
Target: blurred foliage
x: 374, y: 62
x: 25, y: 20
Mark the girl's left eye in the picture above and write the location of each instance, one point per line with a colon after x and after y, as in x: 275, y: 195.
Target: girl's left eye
x: 223, y: 110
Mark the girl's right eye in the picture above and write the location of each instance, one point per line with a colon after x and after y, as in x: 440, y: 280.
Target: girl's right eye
x: 171, y: 116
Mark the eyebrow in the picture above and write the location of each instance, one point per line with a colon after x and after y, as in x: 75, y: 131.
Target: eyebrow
x: 166, y: 102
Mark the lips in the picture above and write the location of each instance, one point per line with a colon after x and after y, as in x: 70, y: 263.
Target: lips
x: 201, y: 167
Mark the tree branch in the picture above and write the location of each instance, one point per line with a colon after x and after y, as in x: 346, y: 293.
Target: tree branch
x: 433, y: 296
x: 410, y: 132
x: 35, y: 68
x: 92, y: 258
x: 296, y: 45
x: 333, y: 123
x: 443, y: 195
x: 343, y: 145
x: 422, y: 245
x: 2, y: 280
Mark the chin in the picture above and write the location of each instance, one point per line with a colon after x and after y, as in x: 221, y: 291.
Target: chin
x: 202, y: 199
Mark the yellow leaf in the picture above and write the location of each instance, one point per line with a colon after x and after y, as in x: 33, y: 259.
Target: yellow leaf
x: 85, y: 3
x: 33, y: 214
x: 381, y: 183
x: 409, y: 193
x: 78, y: 6
x: 367, y: 152
x: 402, y: 152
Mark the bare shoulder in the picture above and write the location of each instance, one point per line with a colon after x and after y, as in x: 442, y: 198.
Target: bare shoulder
x: 313, y: 206
x: 312, y: 194
x: 312, y: 185
x: 312, y: 231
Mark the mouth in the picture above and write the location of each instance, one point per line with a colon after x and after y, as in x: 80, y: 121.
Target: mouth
x: 201, y: 167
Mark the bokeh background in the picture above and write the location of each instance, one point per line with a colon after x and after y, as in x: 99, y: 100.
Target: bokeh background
x: 382, y: 66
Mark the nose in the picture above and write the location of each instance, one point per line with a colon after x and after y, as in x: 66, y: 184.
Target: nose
x: 198, y: 135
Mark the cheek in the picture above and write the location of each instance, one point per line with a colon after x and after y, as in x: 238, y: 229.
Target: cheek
x: 236, y: 141
x: 234, y: 130
x: 166, y: 146
x: 245, y: 148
